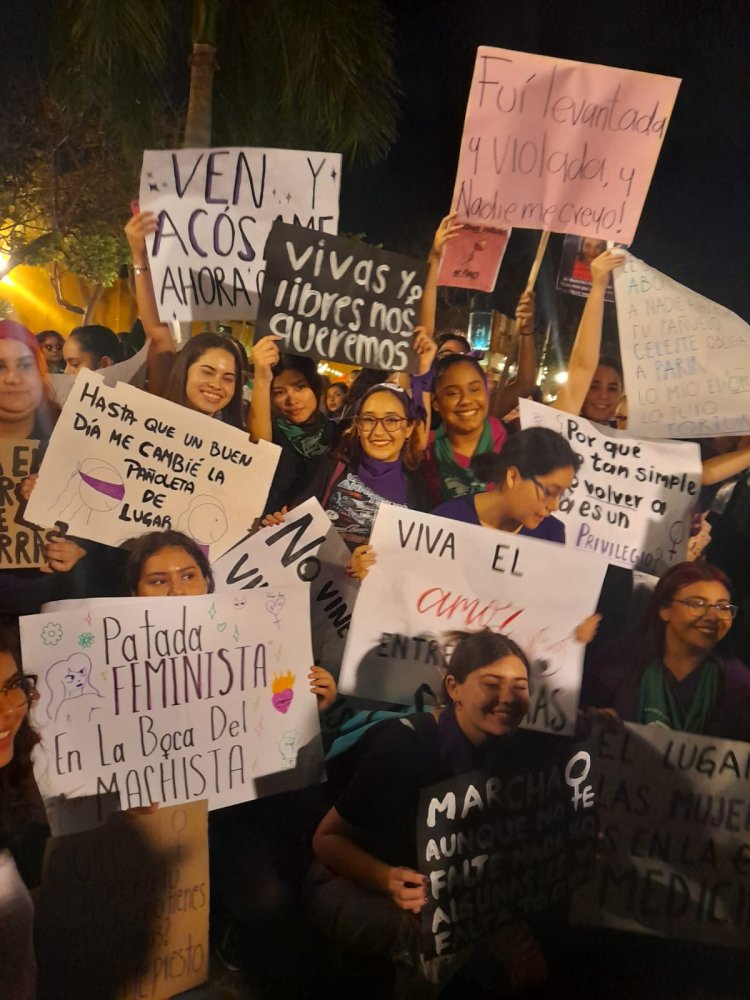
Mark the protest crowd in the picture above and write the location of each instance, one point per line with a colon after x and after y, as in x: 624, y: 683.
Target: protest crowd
x: 459, y: 667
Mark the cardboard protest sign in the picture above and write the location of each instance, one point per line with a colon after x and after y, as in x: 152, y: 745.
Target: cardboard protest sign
x: 21, y: 544
x: 307, y: 548
x: 631, y: 500
x: 132, y: 371
x: 686, y: 359
x: 574, y: 275
x: 560, y: 145
x: 170, y: 700
x: 674, y: 856
x: 434, y: 575
x: 472, y: 258
x: 500, y: 844
x: 215, y: 209
x: 133, y: 898
x: 122, y: 462
x: 340, y: 300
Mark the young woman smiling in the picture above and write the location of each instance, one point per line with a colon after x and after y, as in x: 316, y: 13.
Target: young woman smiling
x: 207, y: 374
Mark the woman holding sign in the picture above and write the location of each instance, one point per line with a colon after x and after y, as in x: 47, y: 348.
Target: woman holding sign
x: 207, y: 374
x: 669, y: 673
x: 366, y: 890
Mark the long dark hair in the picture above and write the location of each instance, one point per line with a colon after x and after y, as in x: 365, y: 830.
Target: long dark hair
x: 17, y: 790
x: 142, y: 548
x: 536, y: 451
x: 191, y: 353
x: 472, y: 650
x: 306, y: 367
x: 653, y: 628
x: 98, y: 341
x: 48, y: 411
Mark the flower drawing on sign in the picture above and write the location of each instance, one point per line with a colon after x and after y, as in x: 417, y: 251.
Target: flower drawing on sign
x: 282, y: 691
x: 85, y: 639
x: 52, y: 633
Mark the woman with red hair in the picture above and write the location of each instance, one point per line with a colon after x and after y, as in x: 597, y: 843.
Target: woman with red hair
x: 27, y: 406
x: 28, y: 411
x: 670, y: 673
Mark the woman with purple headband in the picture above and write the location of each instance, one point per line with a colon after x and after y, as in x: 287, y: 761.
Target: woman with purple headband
x: 378, y: 452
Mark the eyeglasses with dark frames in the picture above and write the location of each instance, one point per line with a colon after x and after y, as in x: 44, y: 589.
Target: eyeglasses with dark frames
x: 700, y: 606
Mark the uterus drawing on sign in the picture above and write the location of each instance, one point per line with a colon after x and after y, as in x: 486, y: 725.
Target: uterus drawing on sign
x: 205, y: 520
x: 94, y: 487
x: 274, y: 606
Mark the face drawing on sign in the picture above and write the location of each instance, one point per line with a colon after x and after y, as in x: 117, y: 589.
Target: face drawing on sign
x: 205, y: 520
x: 69, y: 695
x: 274, y: 606
x: 488, y: 683
x: 93, y: 487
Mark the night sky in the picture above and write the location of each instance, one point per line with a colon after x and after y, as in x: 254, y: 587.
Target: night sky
x: 696, y: 215
x: 695, y: 220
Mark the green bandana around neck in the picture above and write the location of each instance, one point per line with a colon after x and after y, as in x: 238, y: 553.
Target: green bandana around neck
x: 312, y: 439
x: 455, y: 481
x: 659, y: 704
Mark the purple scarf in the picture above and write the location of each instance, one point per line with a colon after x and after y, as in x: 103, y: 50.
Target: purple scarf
x: 387, y: 479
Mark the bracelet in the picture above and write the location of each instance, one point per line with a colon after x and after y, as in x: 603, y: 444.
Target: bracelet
x: 140, y: 268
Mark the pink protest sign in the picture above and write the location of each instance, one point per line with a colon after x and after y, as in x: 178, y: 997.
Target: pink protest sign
x: 472, y: 258
x: 559, y: 145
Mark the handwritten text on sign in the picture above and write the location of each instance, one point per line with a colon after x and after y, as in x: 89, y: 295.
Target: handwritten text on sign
x: 215, y: 209
x: 122, y: 462
x: 560, y: 145
x: 168, y: 700
x: 434, y: 576
x: 307, y: 548
x: 338, y: 299
x: 20, y: 545
x: 134, y: 895
x: 686, y: 359
x: 674, y: 856
x: 472, y: 258
x: 631, y: 500
x: 506, y: 841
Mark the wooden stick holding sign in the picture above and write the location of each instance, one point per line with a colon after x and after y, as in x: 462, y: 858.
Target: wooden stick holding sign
x: 515, y: 333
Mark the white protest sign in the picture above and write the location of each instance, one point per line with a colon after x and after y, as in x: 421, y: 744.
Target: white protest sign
x: 122, y: 462
x: 686, y: 359
x: 674, y: 856
x: 216, y: 208
x: 631, y: 500
x: 559, y: 145
x: 434, y: 575
x: 132, y: 371
x: 305, y: 547
x: 168, y: 700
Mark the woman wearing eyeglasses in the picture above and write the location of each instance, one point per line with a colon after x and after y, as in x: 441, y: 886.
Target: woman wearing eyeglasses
x: 530, y: 476
x: 670, y: 674
x: 19, y: 805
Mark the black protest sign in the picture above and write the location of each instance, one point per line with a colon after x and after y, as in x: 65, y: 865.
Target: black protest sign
x: 505, y: 842
x: 340, y: 300
x: 21, y: 544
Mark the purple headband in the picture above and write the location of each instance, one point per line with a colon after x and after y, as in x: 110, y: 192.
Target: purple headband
x: 401, y: 395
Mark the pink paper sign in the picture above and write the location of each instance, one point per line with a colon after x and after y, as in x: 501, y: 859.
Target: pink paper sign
x: 472, y: 258
x: 560, y: 145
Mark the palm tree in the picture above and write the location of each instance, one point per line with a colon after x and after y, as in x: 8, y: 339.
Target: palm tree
x: 290, y: 73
